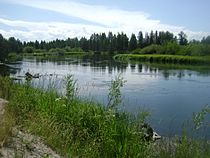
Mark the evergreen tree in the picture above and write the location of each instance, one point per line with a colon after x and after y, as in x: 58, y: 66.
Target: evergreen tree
x: 110, y: 39
x: 182, y: 38
x: 152, y: 38
x: 119, y: 42
x: 84, y: 44
x: 3, y: 48
x: 133, y: 42
x: 156, y: 37
x: 206, y: 40
x: 146, y: 40
x: 125, y: 40
x: 140, y: 39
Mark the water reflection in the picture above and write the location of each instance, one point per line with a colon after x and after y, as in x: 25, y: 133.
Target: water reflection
x: 105, y: 63
x: 172, y: 93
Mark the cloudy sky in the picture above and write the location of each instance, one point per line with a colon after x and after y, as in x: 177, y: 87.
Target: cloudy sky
x: 51, y: 19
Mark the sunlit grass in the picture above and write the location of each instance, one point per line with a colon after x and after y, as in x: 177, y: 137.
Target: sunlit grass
x: 76, y: 128
x: 158, y: 58
x: 7, y: 121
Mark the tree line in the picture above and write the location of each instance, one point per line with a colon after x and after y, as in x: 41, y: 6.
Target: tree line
x: 99, y: 42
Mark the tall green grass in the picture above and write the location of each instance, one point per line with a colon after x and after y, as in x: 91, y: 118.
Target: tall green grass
x: 157, y: 58
x: 75, y: 128
x: 6, y: 123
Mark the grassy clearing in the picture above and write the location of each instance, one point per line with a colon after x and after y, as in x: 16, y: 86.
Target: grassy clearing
x: 75, y: 128
x: 157, y: 58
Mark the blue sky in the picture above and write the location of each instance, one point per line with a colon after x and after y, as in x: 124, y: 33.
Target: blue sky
x: 51, y: 19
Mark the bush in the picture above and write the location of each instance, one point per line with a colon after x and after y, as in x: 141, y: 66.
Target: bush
x: 28, y: 49
x: 77, y: 50
x: 58, y: 51
x: 38, y: 51
x: 200, y: 49
x: 152, y: 49
x: 137, y: 51
x: 170, y: 48
x: 69, y: 49
x: 159, y: 58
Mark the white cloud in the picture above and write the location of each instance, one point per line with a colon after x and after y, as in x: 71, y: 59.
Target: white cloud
x: 104, y: 18
x: 47, y: 31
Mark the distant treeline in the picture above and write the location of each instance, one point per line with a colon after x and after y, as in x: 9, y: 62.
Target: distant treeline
x: 99, y: 42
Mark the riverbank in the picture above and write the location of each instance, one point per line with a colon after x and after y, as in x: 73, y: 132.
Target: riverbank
x: 43, y: 55
x: 168, y: 59
x: 75, y: 128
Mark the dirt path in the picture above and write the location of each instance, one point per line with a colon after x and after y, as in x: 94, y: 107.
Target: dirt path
x: 24, y: 145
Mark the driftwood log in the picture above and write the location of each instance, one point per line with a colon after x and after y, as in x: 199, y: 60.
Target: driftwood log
x: 29, y: 76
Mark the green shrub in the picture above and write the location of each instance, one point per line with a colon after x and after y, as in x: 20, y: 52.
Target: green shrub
x: 159, y: 58
x: 170, y: 48
x: 28, y: 49
x: 152, y: 49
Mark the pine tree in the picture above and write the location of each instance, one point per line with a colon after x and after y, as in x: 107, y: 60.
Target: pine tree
x: 182, y: 38
x: 140, y: 39
x: 133, y: 42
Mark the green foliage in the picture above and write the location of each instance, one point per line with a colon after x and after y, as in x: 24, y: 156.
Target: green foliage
x: 71, y: 88
x: 206, y: 40
x: 170, y: 48
x: 7, y: 121
x: 83, y: 129
x: 28, y: 49
x: 38, y: 51
x: 76, y: 50
x: 58, y: 51
x: 114, y: 97
x: 13, y: 56
x: 5, y: 84
x: 136, y: 51
x: 86, y: 129
x: 133, y: 42
x: 152, y: 49
x: 173, y: 48
x: 182, y: 38
x: 140, y: 39
x: 69, y: 49
x: 3, y: 48
x: 162, y: 42
x: 200, y: 50
x: 199, y: 118
x: 158, y: 58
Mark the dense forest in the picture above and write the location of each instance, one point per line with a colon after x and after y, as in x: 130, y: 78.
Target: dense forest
x: 162, y: 42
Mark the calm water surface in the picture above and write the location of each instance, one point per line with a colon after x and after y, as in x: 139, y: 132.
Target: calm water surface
x: 171, y: 95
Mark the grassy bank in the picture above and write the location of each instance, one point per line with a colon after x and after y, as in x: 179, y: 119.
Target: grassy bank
x: 76, y: 128
x: 157, y: 58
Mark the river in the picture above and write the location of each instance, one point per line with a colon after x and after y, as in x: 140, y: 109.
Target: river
x: 170, y: 94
